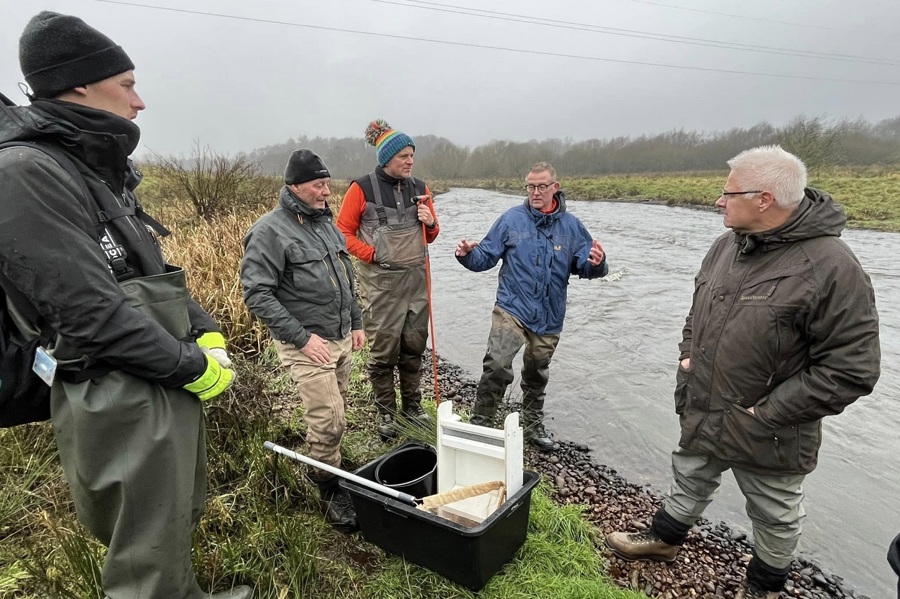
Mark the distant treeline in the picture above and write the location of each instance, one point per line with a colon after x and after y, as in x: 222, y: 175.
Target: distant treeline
x: 821, y: 142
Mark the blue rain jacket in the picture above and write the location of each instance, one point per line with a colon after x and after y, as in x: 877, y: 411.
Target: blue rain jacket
x: 539, y: 252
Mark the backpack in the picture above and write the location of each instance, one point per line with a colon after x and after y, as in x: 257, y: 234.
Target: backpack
x: 24, y: 396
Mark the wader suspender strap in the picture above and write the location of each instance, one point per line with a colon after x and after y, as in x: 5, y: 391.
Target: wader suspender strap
x: 379, y: 201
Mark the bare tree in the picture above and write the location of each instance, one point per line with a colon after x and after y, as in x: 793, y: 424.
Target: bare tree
x: 216, y: 183
x: 814, y: 140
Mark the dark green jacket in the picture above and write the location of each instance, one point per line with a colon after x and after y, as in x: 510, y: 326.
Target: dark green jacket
x: 297, y: 276
x: 782, y: 321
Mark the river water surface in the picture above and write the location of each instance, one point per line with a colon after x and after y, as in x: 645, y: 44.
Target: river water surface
x: 612, y: 377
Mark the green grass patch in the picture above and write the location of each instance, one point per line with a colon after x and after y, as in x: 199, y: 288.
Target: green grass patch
x: 262, y: 524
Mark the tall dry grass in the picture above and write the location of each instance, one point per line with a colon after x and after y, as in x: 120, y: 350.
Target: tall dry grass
x: 210, y: 252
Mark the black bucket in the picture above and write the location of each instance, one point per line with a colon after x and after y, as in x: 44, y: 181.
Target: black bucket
x: 410, y: 469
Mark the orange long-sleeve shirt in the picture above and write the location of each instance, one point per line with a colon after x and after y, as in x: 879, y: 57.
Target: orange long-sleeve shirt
x: 350, y: 216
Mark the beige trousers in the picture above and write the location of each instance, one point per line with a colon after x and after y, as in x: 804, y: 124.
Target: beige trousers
x: 323, y: 391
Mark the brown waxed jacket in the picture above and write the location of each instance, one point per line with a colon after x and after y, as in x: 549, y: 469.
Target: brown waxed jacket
x: 783, y: 321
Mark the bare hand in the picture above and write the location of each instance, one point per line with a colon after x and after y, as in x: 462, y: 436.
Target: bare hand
x: 464, y: 247
x: 686, y: 363
x: 596, y: 255
x: 358, y: 339
x: 316, y: 349
x: 425, y: 214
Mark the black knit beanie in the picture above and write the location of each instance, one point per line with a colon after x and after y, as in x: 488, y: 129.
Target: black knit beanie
x: 304, y: 166
x: 60, y: 52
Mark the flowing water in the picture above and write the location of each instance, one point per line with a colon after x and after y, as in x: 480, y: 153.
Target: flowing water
x: 612, y: 377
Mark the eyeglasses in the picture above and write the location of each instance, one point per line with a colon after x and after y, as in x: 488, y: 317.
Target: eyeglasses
x: 541, y: 187
x: 740, y: 193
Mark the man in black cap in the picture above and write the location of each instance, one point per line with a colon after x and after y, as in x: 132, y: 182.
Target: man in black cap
x: 298, y: 280
x: 133, y: 355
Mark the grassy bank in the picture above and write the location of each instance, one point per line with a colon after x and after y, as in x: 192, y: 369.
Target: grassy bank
x: 870, y: 196
x: 262, y: 524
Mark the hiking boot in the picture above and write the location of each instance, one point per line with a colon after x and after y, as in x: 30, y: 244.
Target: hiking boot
x: 751, y: 591
x: 387, y: 427
x: 239, y: 592
x: 339, y: 512
x: 414, y: 411
x: 538, y: 436
x: 645, y: 545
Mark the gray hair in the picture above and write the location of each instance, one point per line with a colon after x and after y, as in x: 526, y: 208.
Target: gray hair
x: 540, y: 167
x: 770, y: 168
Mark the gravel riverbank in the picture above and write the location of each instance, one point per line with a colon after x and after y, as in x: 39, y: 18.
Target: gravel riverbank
x: 712, y: 562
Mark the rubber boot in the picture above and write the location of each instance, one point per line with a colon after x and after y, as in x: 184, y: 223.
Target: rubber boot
x: 483, y: 414
x: 336, y: 503
x: 382, y: 379
x: 239, y: 592
x: 411, y: 396
x: 533, y: 419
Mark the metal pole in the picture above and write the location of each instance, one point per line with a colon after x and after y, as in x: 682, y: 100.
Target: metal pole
x: 399, y: 496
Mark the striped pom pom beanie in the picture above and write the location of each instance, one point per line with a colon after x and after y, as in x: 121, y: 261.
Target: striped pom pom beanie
x: 386, y: 140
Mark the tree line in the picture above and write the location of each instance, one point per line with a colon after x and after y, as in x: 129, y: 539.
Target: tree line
x: 821, y: 142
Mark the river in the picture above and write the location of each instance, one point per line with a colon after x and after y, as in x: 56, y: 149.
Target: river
x: 612, y: 376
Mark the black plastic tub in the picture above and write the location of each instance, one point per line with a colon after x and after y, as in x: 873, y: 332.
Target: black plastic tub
x: 467, y: 556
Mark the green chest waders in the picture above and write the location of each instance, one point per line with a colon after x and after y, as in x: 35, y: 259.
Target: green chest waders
x: 134, y: 454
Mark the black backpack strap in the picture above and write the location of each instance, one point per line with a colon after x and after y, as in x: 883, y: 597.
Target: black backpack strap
x: 151, y: 222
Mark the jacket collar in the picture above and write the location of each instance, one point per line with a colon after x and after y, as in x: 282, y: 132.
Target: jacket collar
x: 99, y: 139
x: 542, y: 219
x: 293, y: 204
x: 817, y: 215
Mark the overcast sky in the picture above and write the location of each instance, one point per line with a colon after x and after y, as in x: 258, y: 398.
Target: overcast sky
x: 473, y: 71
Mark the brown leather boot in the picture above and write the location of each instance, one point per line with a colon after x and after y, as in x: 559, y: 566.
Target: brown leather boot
x: 644, y: 545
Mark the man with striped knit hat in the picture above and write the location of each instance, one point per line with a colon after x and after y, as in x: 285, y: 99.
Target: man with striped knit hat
x: 387, y: 217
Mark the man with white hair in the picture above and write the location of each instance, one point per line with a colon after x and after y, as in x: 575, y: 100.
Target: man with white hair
x: 782, y: 332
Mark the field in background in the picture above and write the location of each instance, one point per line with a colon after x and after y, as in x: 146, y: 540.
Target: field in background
x: 870, y: 196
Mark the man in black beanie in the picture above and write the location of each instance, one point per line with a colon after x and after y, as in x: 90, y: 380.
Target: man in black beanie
x: 298, y: 280
x: 133, y: 355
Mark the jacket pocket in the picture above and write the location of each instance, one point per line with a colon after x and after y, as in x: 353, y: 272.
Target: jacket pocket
x: 312, y: 277
x: 682, y: 389
x: 747, y: 440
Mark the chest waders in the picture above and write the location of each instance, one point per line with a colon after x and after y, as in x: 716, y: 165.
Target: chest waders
x: 395, y: 308
x: 134, y: 455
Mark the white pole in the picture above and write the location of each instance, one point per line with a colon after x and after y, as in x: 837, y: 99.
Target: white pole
x: 398, y: 495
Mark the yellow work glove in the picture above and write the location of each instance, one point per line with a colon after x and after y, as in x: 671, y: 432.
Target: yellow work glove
x: 212, y: 382
x: 214, y: 344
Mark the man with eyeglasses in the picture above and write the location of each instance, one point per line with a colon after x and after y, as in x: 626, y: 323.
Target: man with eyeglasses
x: 298, y: 280
x: 541, y: 244
x: 782, y: 332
